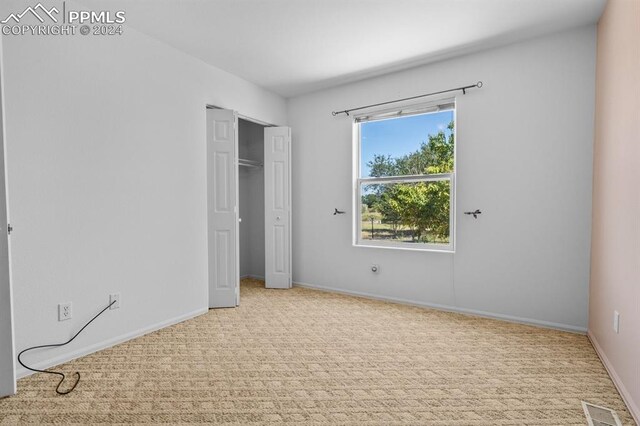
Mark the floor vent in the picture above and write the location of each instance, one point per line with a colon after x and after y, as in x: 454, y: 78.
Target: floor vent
x: 600, y: 416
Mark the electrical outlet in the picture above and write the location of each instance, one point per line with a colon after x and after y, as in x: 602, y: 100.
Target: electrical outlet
x: 114, y: 297
x: 64, y: 311
x: 616, y: 321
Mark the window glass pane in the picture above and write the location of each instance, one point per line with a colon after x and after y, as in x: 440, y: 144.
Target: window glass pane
x: 411, y: 145
x: 412, y: 212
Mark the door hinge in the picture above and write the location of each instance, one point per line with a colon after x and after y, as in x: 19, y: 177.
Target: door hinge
x: 9, y: 228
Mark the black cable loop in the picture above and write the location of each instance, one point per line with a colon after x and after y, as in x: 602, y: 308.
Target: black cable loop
x: 55, y: 345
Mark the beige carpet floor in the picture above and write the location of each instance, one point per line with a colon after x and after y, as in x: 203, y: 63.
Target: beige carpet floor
x: 301, y: 356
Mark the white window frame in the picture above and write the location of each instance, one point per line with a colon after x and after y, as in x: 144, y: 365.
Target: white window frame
x: 358, y: 181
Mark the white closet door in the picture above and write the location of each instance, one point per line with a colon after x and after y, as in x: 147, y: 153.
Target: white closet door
x: 7, y: 355
x: 222, y: 205
x: 277, y: 204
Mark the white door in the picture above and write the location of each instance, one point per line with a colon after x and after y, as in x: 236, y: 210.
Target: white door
x: 277, y: 205
x: 222, y: 207
x: 7, y: 363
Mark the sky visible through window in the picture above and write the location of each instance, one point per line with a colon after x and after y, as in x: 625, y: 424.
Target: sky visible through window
x: 399, y: 136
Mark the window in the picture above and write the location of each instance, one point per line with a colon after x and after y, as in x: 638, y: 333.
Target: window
x: 405, y: 178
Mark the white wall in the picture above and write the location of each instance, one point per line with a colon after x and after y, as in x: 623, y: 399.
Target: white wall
x: 107, y: 182
x: 524, y: 158
x: 7, y: 360
x: 615, y: 256
x: 244, y: 182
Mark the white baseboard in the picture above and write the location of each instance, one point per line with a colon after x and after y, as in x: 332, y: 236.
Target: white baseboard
x: 626, y: 397
x: 447, y: 308
x: 60, y: 359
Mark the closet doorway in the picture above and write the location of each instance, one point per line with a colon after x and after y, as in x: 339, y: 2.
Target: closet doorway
x: 248, y: 204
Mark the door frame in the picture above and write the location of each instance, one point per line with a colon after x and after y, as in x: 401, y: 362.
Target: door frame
x: 244, y: 117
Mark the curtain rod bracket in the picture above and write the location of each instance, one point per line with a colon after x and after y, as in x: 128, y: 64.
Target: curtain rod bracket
x: 478, y: 85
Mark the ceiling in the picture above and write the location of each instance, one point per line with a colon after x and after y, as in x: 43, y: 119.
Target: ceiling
x: 296, y: 46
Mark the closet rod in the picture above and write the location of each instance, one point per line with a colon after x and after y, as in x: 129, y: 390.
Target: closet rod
x: 463, y: 88
x: 248, y: 163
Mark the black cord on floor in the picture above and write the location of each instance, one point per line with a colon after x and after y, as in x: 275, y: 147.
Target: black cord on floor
x: 55, y: 346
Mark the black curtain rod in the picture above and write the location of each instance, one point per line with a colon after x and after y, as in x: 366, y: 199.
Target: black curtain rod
x: 464, y: 91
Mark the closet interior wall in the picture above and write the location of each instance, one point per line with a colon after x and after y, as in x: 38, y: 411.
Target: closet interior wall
x: 251, y: 199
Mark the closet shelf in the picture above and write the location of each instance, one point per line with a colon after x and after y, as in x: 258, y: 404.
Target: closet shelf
x: 248, y: 163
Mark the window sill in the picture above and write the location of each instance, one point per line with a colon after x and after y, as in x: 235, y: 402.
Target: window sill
x: 416, y: 247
